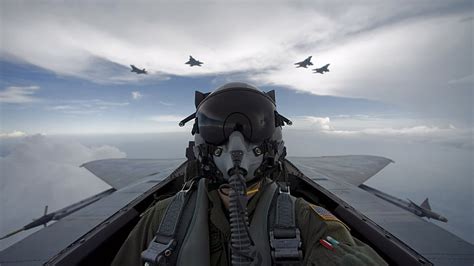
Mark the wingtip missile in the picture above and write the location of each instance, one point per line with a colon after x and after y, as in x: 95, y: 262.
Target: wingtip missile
x: 12, y: 233
x: 57, y: 215
x: 43, y: 220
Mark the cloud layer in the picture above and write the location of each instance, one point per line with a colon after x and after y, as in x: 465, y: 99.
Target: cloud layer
x: 355, y: 127
x: 38, y: 171
x: 415, y: 54
x: 13, y: 134
x: 18, y: 95
x: 85, y: 107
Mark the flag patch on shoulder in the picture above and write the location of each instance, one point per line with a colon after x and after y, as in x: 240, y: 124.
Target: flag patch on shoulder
x: 323, y: 213
x: 326, y: 215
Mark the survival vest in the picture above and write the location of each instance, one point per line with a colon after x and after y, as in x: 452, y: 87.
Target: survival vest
x: 183, y: 235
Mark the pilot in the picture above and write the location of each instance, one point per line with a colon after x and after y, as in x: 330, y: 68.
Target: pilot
x: 236, y: 206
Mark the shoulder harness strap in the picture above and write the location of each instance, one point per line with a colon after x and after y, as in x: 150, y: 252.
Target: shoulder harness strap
x: 259, y: 226
x: 285, y: 240
x: 165, y: 242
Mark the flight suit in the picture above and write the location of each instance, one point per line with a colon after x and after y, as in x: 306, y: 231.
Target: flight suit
x: 314, y: 222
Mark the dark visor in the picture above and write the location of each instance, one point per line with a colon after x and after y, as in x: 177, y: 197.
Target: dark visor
x: 248, y: 111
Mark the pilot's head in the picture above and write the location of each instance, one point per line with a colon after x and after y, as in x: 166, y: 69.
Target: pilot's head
x: 238, y: 117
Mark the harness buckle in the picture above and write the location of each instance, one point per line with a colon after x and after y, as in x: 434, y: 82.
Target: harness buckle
x: 283, y: 188
x: 156, y: 252
x: 187, y: 186
x: 286, y: 250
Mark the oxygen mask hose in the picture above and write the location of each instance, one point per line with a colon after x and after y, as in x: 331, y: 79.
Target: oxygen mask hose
x: 241, y: 243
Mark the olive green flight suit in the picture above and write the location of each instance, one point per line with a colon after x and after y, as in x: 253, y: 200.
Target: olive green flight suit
x: 313, y: 227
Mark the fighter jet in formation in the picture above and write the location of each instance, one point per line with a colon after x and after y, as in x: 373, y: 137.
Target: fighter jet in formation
x: 305, y: 63
x: 137, y: 70
x: 322, y: 69
x: 193, y: 62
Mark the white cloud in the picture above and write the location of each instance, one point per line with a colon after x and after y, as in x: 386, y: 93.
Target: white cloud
x: 13, y: 134
x: 408, y: 131
x: 41, y: 170
x: 84, y: 107
x: 165, y: 123
x: 467, y: 80
x: 136, y: 95
x: 167, y: 118
x: 399, y: 64
x: 312, y: 122
x: 386, y: 51
x: 366, y: 125
x: 17, y: 94
x: 169, y: 33
x: 166, y: 103
x: 361, y: 125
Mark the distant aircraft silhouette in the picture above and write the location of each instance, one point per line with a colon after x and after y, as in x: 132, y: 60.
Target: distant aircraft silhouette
x: 305, y: 63
x: 321, y: 70
x: 193, y: 62
x: 137, y: 70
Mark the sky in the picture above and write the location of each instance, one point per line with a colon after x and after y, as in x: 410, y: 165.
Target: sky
x: 67, y: 72
x: 401, y: 79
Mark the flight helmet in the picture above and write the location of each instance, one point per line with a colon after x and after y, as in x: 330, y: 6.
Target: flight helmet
x: 237, y: 117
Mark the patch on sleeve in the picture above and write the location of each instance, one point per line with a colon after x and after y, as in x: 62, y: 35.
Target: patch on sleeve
x: 326, y: 215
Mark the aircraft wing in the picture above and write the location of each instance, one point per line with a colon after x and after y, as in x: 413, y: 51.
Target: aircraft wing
x: 341, y: 178
x: 120, y: 173
x: 353, y: 169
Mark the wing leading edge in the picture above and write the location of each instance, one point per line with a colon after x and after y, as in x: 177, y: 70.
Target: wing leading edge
x: 353, y: 169
x: 120, y: 173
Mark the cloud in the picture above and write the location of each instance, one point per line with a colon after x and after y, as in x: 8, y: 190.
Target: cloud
x: 385, y: 51
x: 16, y: 94
x: 408, y: 131
x: 169, y: 33
x: 83, y: 107
x: 13, y: 134
x: 40, y: 170
x: 166, y: 103
x: 313, y: 122
x: 166, y: 123
x: 398, y: 63
x: 167, y: 118
x: 361, y: 125
x: 467, y: 80
x: 136, y: 95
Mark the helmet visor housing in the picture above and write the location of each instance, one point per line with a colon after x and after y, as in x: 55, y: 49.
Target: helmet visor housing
x: 246, y: 110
